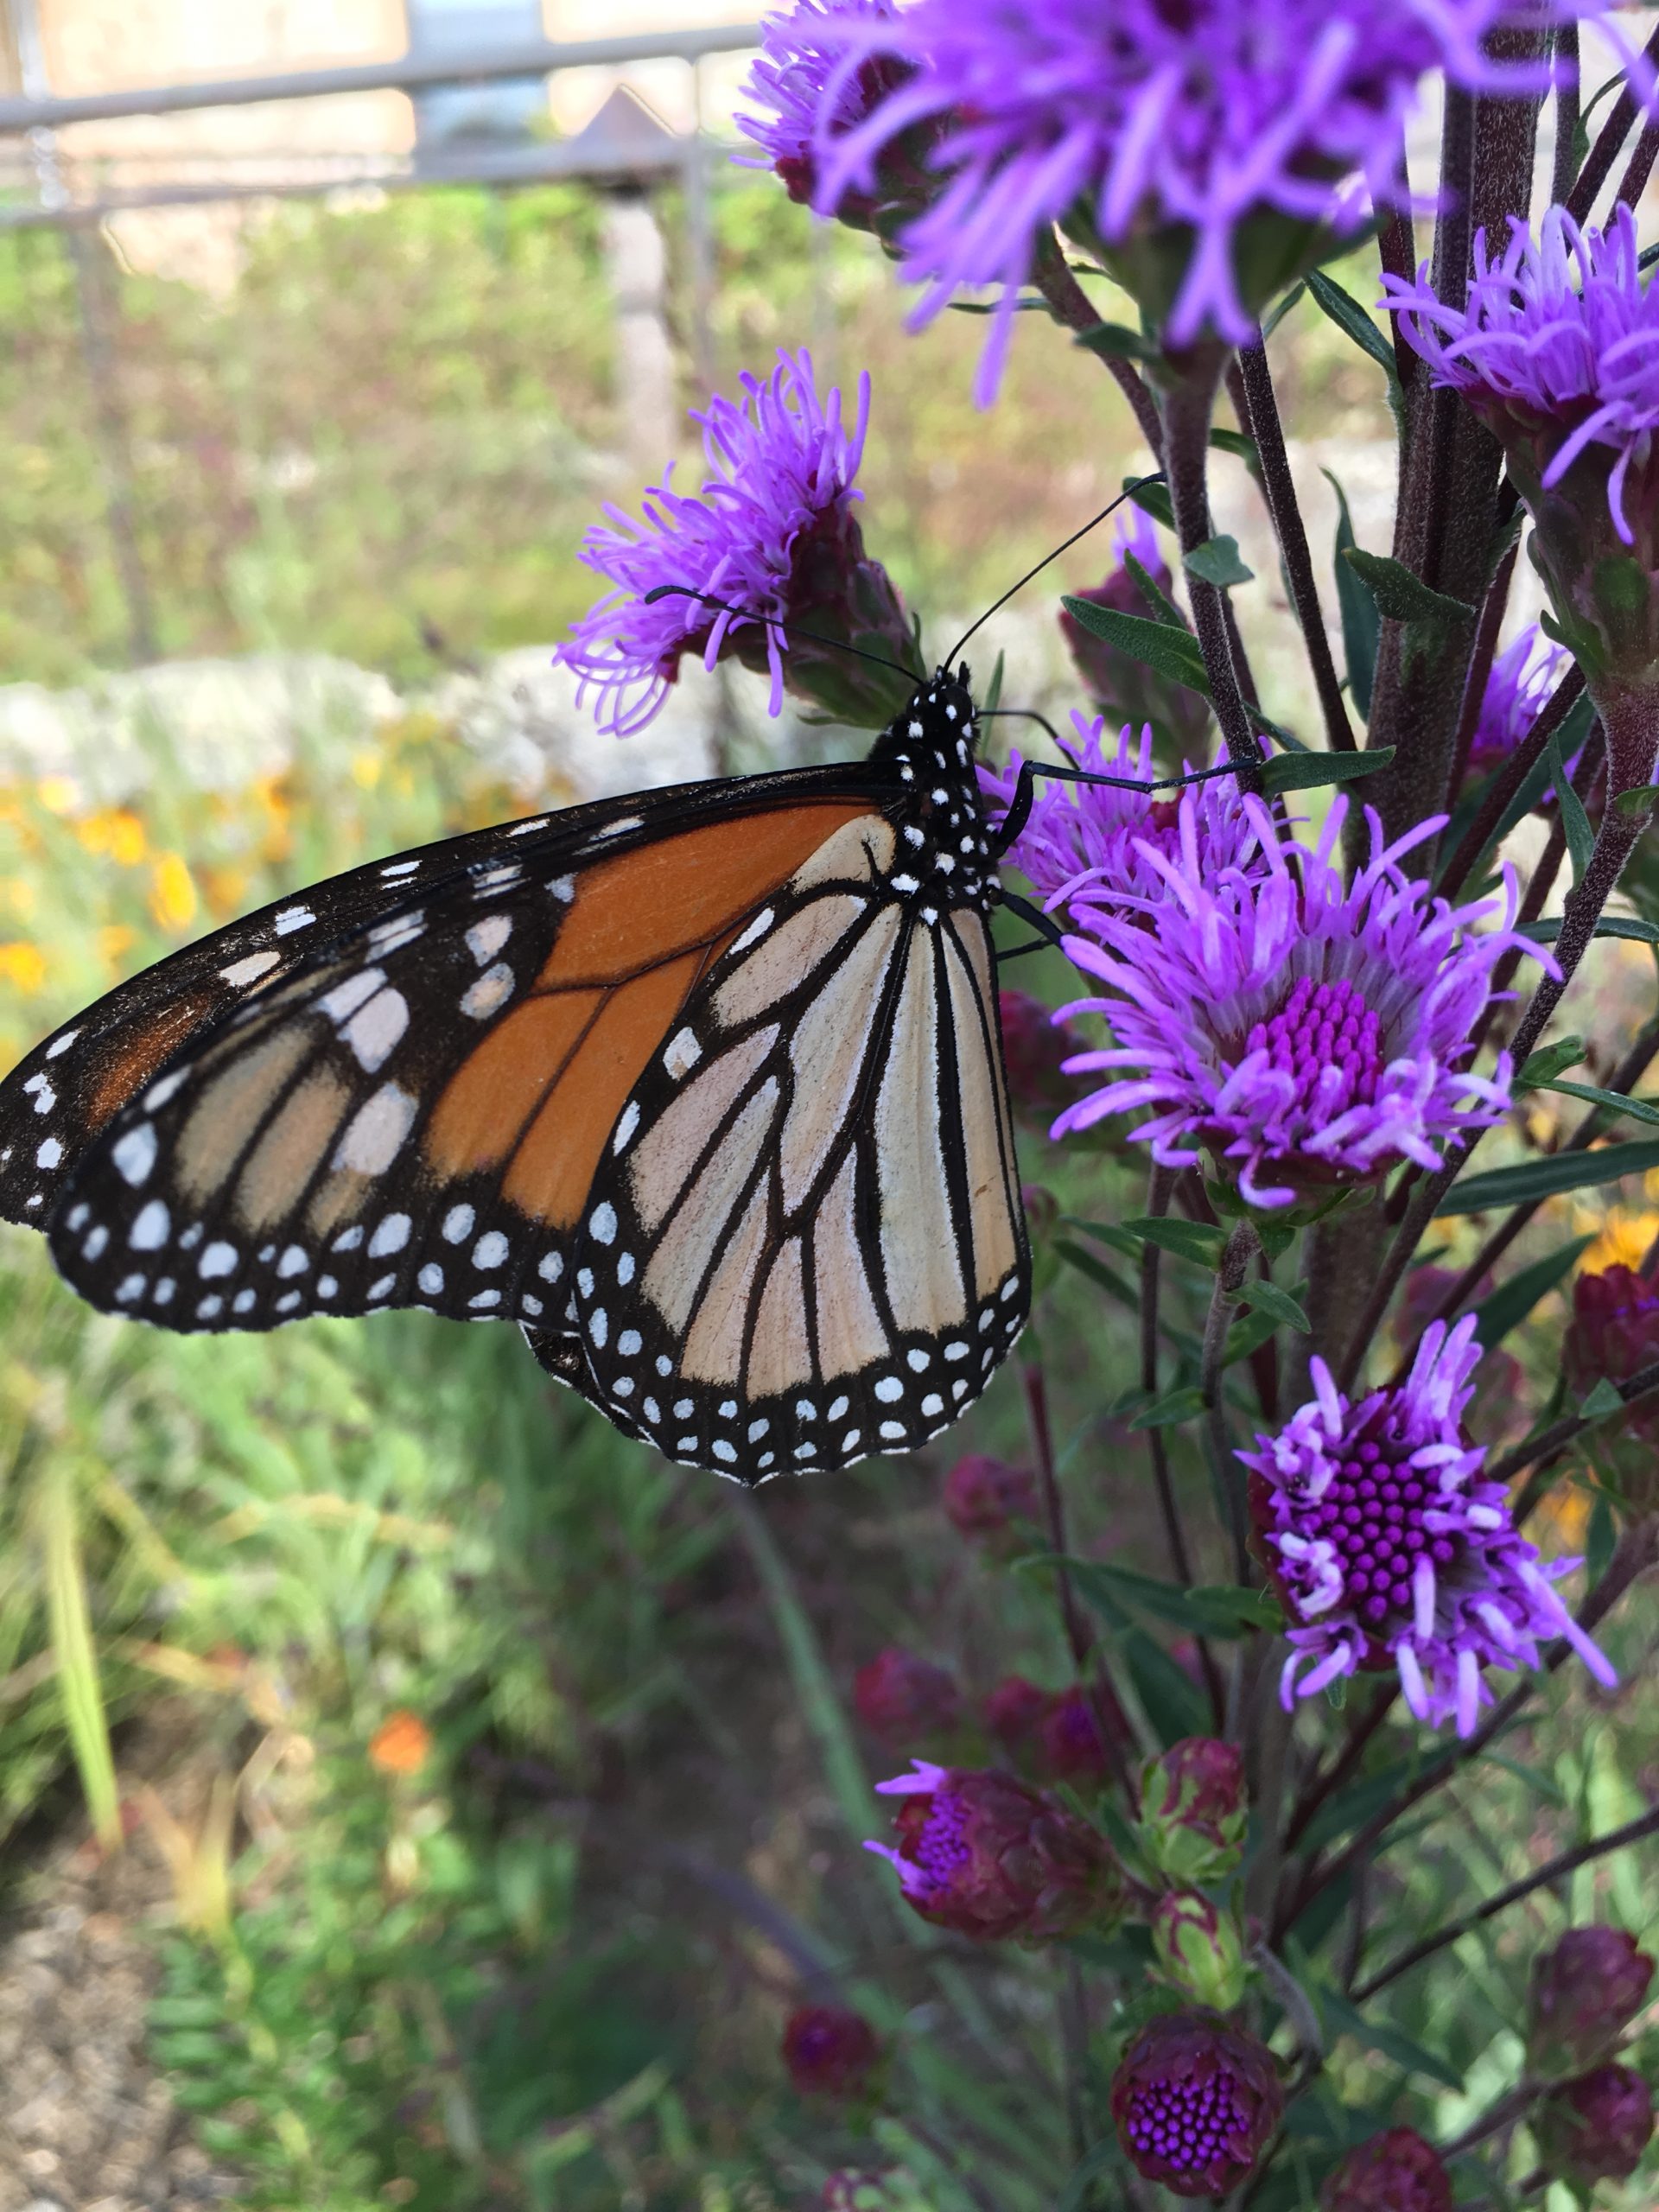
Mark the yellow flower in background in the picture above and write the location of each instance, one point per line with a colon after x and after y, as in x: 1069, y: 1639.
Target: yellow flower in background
x: 58, y: 794
x: 114, y: 940
x: 225, y: 890
x: 271, y: 798
x: 19, y: 895
x: 22, y: 966
x: 365, y: 771
x: 116, y: 831
x: 1565, y: 1513
x: 1624, y: 1239
x: 172, y: 892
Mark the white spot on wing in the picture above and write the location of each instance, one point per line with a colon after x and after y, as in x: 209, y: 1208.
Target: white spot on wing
x: 374, y: 1135
x: 490, y: 1250
x: 134, y: 1154
x: 391, y: 1236
x: 457, y: 1223
x: 431, y: 1279
x: 757, y: 929
x: 219, y: 1259
x: 49, y: 1153
x: 626, y: 1125
x: 682, y: 1054
x: 250, y: 969
x: 492, y: 989
x: 149, y: 1231
x: 61, y: 1043
x: 372, y: 1032
x: 346, y: 998
x: 602, y: 1223
x: 291, y: 919
x: 485, y: 939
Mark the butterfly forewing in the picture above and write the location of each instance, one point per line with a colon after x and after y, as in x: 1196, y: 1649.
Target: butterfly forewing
x: 805, y: 1244
x: 414, y: 1117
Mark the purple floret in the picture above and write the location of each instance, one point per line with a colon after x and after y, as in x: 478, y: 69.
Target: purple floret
x: 1306, y: 1031
x: 1523, y: 678
x: 790, y: 83
x: 1558, y: 342
x: 1081, y: 846
x: 1388, y: 1547
x: 1141, y: 115
x: 781, y: 469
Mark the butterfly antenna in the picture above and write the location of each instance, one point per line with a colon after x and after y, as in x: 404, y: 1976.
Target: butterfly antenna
x: 790, y: 629
x: 1128, y: 492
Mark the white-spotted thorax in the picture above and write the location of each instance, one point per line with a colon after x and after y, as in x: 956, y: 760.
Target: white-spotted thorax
x: 944, y: 856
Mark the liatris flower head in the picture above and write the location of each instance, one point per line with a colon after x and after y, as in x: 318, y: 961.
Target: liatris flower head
x: 1194, y: 2101
x: 829, y: 2052
x: 1556, y: 348
x: 1395, y: 2172
x: 1583, y: 1993
x: 984, y: 1497
x: 1306, y: 1031
x: 985, y: 1855
x: 1091, y: 843
x: 773, y: 531
x: 1208, y: 152
x: 1523, y: 675
x: 806, y: 97
x: 1127, y: 690
x: 1199, y: 1949
x: 1194, y: 1813
x: 1015, y: 1713
x: 1388, y: 1548
x: 1033, y: 1046
x: 1596, y: 2128
x: 900, y: 1696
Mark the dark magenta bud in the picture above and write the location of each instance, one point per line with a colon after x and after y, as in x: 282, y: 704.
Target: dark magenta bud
x: 1194, y: 2103
x: 1394, y: 2172
x: 829, y: 2052
x: 982, y: 1495
x: 900, y: 1697
x: 1075, y: 1734
x: 1584, y: 1993
x: 982, y: 1853
x: 1034, y: 1046
x: 1015, y: 1713
x: 1596, y: 2128
x: 1615, y: 1329
x: 1193, y: 1813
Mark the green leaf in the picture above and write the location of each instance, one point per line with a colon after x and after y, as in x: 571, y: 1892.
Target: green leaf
x: 1187, y: 1240
x: 1534, y: 1777
x: 1097, y: 1272
x: 1641, y: 800
x: 1217, y: 562
x: 1605, y: 1398
x: 1174, y: 1405
x: 1115, y: 341
x: 1164, y: 609
x: 1306, y: 772
x: 1575, y: 822
x: 994, y: 688
x: 1548, y: 1062
x: 1240, y: 447
x: 1634, y: 1110
x: 1361, y: 623
x: 1272, y: 322
x: 1352, y: 1807
x: 1381, y: 2036
x: 1547, y: 1179
x: 1248, y: 1334
x: 1173, y: 653
x: 1548, y: 928
x: 1108, y: 1233
x: 1219, y: 1610
x: 1152, y: 499
x: 1270, y: 1298
x: 1511, y: 1302
x: 1345, y: 311
x: 1031, y: 305
x: 1175, y: 1703
x: 1078, y: 2193
x: 1401, y: 597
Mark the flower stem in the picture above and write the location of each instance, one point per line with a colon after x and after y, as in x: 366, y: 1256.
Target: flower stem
x: 1071, y: 307
x: 1189, y: 393
x: 1241, y: 1247
x: 1565, y: 1862
x: 1602, y: 156
x: 1568, y: 106
x: 1252, y: 396
x: 1520, y: 764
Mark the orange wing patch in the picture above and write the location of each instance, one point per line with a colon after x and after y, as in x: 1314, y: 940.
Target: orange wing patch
x: 544, y: 1089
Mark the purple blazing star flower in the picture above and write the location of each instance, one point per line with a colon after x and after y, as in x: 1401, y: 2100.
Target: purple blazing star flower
x: 773, y: 528
x: 1141, y: 120
x: 790, y: 83
x: 1387, y: 1546
x: 1556, y: 350
x: 1306, y: 1031
x: 1523, y: 678
x: 1091, y: 843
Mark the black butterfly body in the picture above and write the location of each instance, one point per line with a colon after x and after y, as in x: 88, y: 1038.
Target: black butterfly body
x: 703, y: 1086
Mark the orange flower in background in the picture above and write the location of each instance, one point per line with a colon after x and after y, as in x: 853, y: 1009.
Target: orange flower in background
x: 401, y: 1745
x: 22, y: 966
x: 172, y: 892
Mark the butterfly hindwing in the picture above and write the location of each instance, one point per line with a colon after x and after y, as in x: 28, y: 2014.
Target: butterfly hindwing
x: 413, y: 1115
x: 805, y: 1242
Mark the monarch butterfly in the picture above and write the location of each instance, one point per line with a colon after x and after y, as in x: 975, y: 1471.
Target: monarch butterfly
x: 701, y: 1086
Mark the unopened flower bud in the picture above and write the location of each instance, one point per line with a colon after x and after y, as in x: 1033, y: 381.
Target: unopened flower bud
x: 1394, y: 2172
x: 981, y: 1853
x: 1193, y: 1813
x: 1199, y: 1949
x: 1584, y: 1993
x: 829, y: 2052
x: 1615, y: 1331
x: 900, y: 1696
x: 1194, y: 2103
x: 1033, y: 1046
x: 1014, y: 1714
x: 1076, y: 1732
x: 982, y: 1495
x: 1596, y: 2128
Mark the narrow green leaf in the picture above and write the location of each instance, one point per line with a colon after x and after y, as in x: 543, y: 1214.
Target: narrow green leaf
x: 1108, y: 1232
x: 1248, y: 1334
x: 1240, y: 447
x: 1548, y: 928
x: 1345, y: 311
x: 1174, y: 1406
x: 1217, y: 562
x: 1534, y: 1777
x: 1605, y: 1398
x: 1219, y: 1609
x: 1174, y: 1704
x: 1280, y: 1303
x: 69, y: 1624
x: 1271, y: 322
x: 1306, y: 772
x: 1402, y: 597
x: 1641, y: 800
x: 994, y: 688
x: 1550, y: 1061
x: 1109, y: 1280
x: 1634, y: 1110
x: 1188, y: 1240
x: 1164, y: 609
x: 1173, y: 653
x: 1114, y: 341
x: 1548, y: 1178
x: 1511, y: 1302
x: 1152, y: 499
x: 1381, y: 2036
x: 1575, y: 822
x: 1361, y: 623
x: 1034, y: 305
x: 1079, y: 2190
